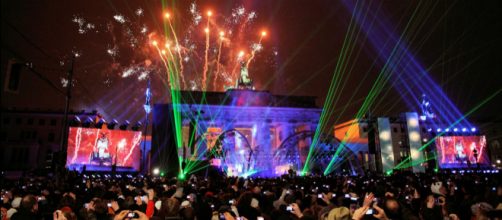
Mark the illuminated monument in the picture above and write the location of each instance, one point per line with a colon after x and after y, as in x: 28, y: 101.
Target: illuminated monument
x: 244, y: 82
x: 242, y: 131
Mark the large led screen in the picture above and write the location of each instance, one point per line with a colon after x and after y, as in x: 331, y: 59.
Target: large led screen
x: 101, y: 148
x: 461, y: 151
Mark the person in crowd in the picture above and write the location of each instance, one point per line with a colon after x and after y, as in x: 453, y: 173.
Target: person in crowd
x: 28, y: 209
x: 91, y: 196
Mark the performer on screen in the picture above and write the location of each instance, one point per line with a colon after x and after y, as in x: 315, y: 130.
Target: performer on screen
x: 102, y: 146
x: 101, y: 153
x: 474, y: 158
x: 459, y: 152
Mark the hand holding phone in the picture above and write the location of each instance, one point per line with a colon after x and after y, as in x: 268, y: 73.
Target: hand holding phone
x: 130, y: 215
x: 370, y: 211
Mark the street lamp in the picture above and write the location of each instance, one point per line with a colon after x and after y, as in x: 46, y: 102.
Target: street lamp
x: 148, y: 108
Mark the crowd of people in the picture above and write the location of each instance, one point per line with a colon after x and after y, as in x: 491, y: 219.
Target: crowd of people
x: 474, y: 195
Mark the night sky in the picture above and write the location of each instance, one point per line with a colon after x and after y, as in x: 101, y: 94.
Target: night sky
x: 458, y: 42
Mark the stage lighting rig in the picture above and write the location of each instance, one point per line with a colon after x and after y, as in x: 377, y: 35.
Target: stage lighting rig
x: 88, y: 122
x: 112, y: 124
x: 137, y: 126
x: 124, y: 125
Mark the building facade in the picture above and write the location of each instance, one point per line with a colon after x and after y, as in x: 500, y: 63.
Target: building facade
x: 29, y: 138
x: 253, y: 132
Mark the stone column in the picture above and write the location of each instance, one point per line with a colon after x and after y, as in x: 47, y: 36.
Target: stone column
x: 286, y: 131
x: 263, y: 150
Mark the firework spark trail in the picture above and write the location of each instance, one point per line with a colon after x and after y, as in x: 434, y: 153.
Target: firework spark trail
x: 193, y: 48
x: 137, y: 139
x: 222, y: 34
x: 155, y: 44
x: 95, y: 143
x: 255, y: 48
x: 206, y: 52
x: 178, y: 49
x: 78, y: 138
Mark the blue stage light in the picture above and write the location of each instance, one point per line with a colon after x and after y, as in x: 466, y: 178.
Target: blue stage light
x: 455, y: 129
x: 76, y: 121
x: 429, y: 130
x: 464, y: 129
x: 447, y: 130
x: 124, y: 125
x: 112, y: 124
x: 100, y: 123
x: 87, y: 123
x: 438, y: 130
x: 473, y: 129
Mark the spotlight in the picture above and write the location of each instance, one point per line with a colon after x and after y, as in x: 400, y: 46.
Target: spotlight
x: 429, y: 130
x: 438, y: 130
x: 473, y: 129
x: 464, y: 129
x: 112, y: 124
x: 447, y: 130
x: 156, y: 171
x: 100, y: 123
x: 87, y: 123
x: 455, y: 129
x: 137, y: 126
x: 124, y: 125
x: 76, y: 121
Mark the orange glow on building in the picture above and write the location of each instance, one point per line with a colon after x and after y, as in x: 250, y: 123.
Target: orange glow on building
x: 350, y: 131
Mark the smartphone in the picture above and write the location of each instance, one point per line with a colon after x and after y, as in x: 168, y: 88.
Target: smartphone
x: 369, y: 212
x: 231, y: 202
x: 259, y: 218
x: 86, y: 205
x: 188, y: 197
x: 319, y: 196
x: 109, y: 205
x: 289, y: 208
x: 437, y: 201
x: 131, y: 215
x: 347, y: 196
x: 222, y: 216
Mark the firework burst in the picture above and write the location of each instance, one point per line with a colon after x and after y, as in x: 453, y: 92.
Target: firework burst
x: 203, y: 50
